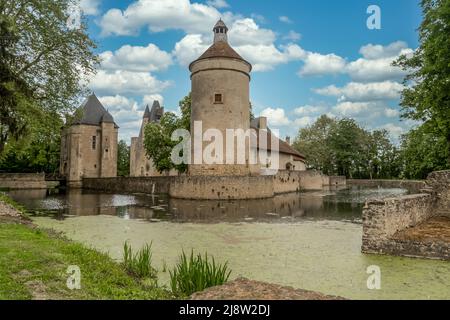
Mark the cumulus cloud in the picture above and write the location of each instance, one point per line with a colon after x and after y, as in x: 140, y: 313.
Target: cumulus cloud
x: 127, y: 82
x: 159, y: 15
x: 372, y: 52
x: 276, y: 117
x: 260, y: 51
x: 374, y: 66
x: 308, y: 110
x: 319, y: 64
x: 304, y: 121
x: 90, y: 7
x: 189, y: 48
x: 355, y: 91
x: 218, y: 3
x: 247, y: 32
x: 136, y: 58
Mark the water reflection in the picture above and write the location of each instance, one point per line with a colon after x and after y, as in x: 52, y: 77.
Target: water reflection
x: 343, y: 205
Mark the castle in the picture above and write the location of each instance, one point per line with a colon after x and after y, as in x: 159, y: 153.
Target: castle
x: 89, y: 144
x: 220, y: 94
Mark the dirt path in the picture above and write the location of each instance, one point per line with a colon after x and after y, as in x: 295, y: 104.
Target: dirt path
x: 245, y: 289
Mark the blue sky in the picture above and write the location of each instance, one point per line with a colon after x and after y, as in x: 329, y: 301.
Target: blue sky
x: 310, y: 57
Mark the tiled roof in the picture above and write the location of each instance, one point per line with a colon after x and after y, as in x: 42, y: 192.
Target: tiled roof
x: 92, y: 112
x: 283, y: 146
x: 220, y: 49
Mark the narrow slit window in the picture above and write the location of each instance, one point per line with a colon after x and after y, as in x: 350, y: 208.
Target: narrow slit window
x: 218, y: 98
x: 94, y: 142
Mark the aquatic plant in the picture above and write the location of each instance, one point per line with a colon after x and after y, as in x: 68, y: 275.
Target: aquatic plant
x: 140, y: 263
x: 196, y: 273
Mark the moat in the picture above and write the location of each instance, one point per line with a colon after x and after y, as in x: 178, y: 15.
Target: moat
x: 310, y: 240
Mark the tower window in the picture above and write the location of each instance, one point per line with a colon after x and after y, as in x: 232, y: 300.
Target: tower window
x: 218, y: 98
x: 94, y: 142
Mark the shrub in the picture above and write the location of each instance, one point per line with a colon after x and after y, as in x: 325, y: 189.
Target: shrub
x: 196, y: 273
x: 139, y: 264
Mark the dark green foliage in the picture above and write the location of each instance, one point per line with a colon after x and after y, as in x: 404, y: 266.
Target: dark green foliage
x: 427, y: 94
x: 123, y: 159
x: 140, y: 263
x: 196, y: 273
x: 157, y: 137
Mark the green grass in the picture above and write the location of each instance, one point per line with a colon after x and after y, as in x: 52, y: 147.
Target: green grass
x: 196, y: 273
x: 140, y: 263
x: 33, y: 263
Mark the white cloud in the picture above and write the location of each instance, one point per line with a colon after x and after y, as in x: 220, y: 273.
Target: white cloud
x: 160, y: 15
x: 308, y: 110
x: 374, y: 66
x: 319, y: 64
x: 90, y: 7
x: 364, y: 70
x: 293, y: 36
x: 355, y: 91
x: 136, y: 58
x: 373, y: 52
x: 126, y: 82
x: 247, y: 32
x: 189, y: 48
x: 394, y: 129
x: 262, y: 54
x: 275, y: 117
x: 285, y: 19
x: 391, y: 113
x: 150, y: 98
x: 304, y: 121
x: 218, y: 3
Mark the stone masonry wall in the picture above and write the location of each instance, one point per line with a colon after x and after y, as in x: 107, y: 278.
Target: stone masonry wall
x: 219, y: 188
x: 22, y: 181
x: 147, y: 185
x: 213, y: 187
x: 439, y: 182
x: 414, y: 186
x: 382, y: 218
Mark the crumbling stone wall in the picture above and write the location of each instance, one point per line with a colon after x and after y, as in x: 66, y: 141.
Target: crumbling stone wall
x: 383, y: 219
x: 439, y: 182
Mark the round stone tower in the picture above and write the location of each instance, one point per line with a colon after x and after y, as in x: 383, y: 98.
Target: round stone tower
x: 220, y: 80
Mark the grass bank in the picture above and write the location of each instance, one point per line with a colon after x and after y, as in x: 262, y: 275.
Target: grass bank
x: 34, y: 264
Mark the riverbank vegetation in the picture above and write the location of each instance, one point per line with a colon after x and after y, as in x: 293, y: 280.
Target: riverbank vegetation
x: 34, y: 264
x: 195, y: 273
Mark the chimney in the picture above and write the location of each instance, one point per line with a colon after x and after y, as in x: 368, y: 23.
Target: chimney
x: 262, y: 123
x: 288, y: 140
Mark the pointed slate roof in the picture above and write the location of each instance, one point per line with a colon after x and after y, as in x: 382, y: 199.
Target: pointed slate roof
x: 155, y: 113
x: 92, y: 112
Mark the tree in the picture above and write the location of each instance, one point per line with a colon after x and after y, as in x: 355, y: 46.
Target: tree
x: 312, y: 141
x: 43, y: 62
x: 40, y: 151
x: 123, y: 159
x: 427, y: 96
x: 422, y: 152
x: 157, y: 137
x: 343, y: 147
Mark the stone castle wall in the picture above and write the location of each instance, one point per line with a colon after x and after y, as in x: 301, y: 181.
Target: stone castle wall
x: 413, y: 186
x: 214, y: 187
x: 383, y: 219
x: 217, y: 188
x: 22, y: 181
